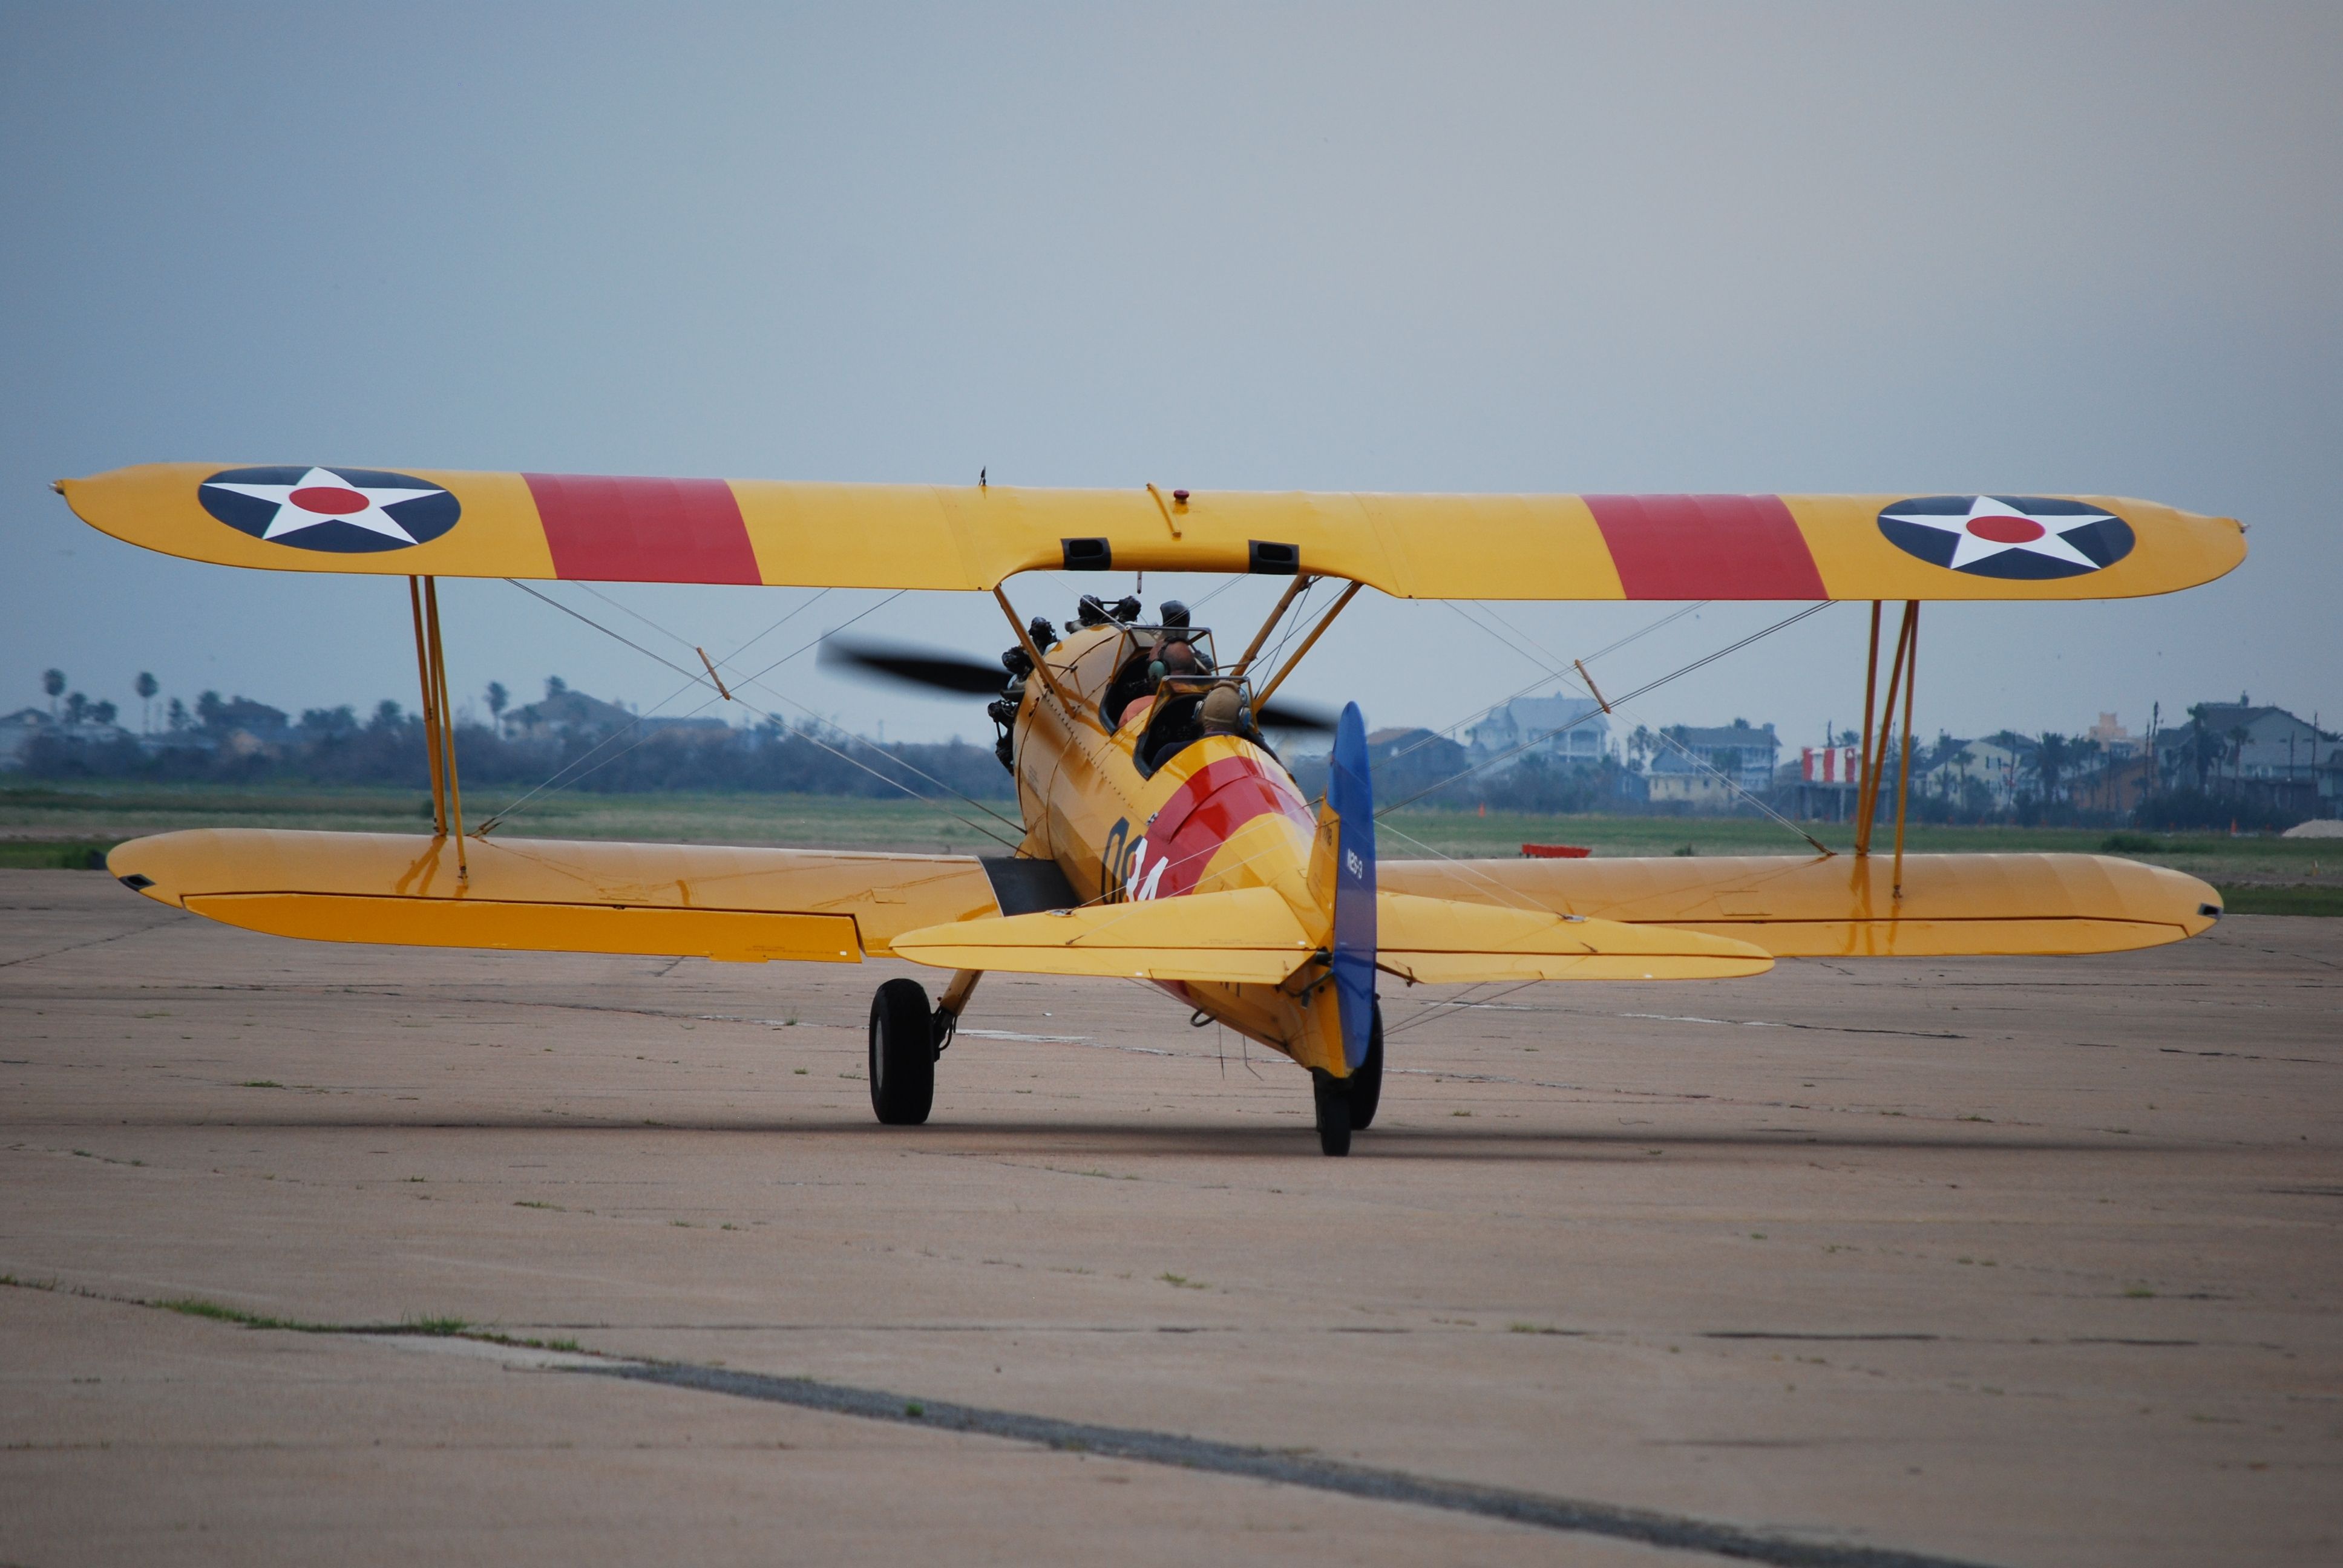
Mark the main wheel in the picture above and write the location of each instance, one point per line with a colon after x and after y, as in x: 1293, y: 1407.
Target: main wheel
x: 1332, y: 1097
x: 1367, y: 1081
x: 902, y: 1054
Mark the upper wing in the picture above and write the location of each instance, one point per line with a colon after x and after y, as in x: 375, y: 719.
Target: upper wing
x: 436, y: 524
x: 1845, y: 905
x: 560, y: 896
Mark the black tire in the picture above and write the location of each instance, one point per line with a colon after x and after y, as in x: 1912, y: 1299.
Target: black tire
x: 902, y: 1054
x: 1367, y: 1082
x: 1332, y: 1097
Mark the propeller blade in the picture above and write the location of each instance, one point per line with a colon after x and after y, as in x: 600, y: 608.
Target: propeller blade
x: 912, y: 665
x: 1294, y: 716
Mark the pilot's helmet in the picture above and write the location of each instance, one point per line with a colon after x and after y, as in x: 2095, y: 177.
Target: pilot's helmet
x: 1220, y: 712
x: 1173, y: 613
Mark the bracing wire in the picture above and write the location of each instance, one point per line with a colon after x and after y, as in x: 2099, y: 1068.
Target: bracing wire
x: 1649, y: 685
x: 1430, y: 735
x: 694, y: 678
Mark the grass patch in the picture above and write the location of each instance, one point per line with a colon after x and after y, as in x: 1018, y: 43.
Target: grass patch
x: 93, y: 815
x: 220, y: 1313
x: 258, y: 1083
x: 197, y: 1307
x: 1182, y: 1283
x: 2253, y: 900
x: 69, y: 855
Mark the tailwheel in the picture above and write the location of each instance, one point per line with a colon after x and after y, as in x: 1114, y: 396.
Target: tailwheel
x: 1367, y: 1080
x: 1332, y: 1096
x: 902, y: 1054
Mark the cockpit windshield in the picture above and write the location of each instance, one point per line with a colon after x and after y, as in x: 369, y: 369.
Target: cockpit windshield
x: 1148, y: 655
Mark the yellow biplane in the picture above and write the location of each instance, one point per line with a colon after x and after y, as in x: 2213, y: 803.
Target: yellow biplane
x: 1163, y: 838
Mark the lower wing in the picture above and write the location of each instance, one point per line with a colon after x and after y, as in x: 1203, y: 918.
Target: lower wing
x: 548, y: 895
x: 1846, y: 905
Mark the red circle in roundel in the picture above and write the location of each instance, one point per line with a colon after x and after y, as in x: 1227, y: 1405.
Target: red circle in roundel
x: 2000, y: 530
x: 329, y: 500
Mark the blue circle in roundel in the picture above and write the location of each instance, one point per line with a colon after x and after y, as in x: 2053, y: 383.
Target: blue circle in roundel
x: 2048, y: 538
x: 343, y: 511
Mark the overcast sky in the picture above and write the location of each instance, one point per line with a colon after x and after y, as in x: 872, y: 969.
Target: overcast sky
x: 1612, y: 248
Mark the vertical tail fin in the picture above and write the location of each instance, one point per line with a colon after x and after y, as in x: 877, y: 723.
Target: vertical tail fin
x: 1350, y: 798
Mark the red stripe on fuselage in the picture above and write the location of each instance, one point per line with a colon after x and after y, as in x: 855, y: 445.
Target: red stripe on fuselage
x: 1216, y: 800
x: 643, y: 530
x: 1707, y: 546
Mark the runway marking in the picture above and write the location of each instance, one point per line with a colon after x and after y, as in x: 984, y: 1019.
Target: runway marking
x: 1570, y: 1515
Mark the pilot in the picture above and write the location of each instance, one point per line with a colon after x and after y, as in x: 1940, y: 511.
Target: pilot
x: 1174, y: 659
x: 1223, y: 713
x: 1174, y: 630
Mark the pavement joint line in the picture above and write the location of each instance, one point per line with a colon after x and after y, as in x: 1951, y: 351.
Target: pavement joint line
x: 1680, y: 1533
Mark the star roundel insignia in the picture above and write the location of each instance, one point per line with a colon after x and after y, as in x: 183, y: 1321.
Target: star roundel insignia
x: 348, y: 511
x: 2030, y: 538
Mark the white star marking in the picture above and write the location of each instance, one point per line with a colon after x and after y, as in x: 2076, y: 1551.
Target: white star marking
x: 1979, y: 545
x: 293, y: 516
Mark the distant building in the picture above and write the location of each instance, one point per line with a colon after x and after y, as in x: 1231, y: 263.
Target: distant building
x: 2280, y: 758
x: 1979, y: 774
x: 1712, y: 766
x: 21, y: 729
x: 2113, y: 740
x: 1567, y: 728
x: 565, y: 713
x: 1406, y: 761
x: 17, y: 731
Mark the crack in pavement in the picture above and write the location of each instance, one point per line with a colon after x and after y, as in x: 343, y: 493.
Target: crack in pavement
x: 1681, y: 1532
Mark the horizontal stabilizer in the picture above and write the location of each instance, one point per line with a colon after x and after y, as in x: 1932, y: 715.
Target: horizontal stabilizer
x: 1438, y: 941
x: 1251, y: 935
x: 1244, y: 935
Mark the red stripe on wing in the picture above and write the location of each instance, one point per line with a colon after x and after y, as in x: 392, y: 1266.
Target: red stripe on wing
x: 1707, y: 546
x: 644, y: 530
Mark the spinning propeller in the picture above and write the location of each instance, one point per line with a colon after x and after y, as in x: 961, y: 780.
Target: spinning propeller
x: 963, y: 676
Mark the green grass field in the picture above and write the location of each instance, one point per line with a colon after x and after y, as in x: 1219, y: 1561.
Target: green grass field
x: 55, y: 825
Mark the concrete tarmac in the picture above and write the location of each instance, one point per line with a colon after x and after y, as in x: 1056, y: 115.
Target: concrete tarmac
x: 1999, y: 1260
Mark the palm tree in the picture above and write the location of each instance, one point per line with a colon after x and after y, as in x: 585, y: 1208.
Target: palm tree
x: 2051, y: 757
x: 2085, y: 752
x: 145, y: 686
x: 2240, y: 737
x: 77, y: 707
x: 2203, y: 747
x: 497, y: 698
x: 53, y: 681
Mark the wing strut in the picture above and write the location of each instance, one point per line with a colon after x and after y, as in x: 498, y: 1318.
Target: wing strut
x: 1262, y: 699
x: 1903, y: 675
x: 1299, y: 586
x: 439, y: 722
